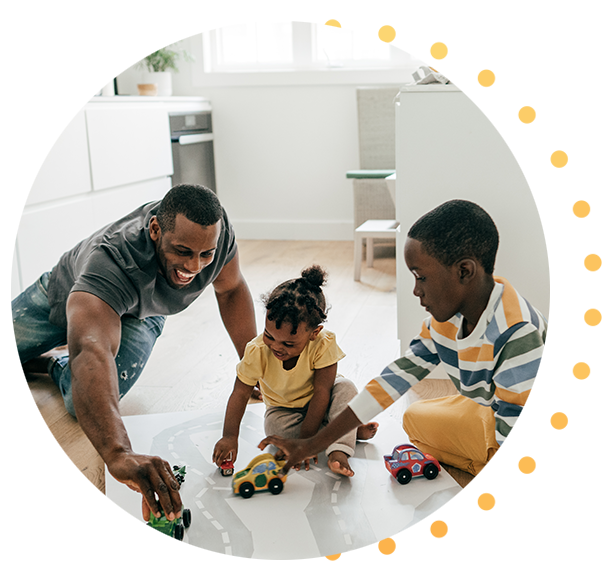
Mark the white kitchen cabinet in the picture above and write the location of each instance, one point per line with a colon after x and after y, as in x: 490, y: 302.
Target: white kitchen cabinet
x: 45, y: 234
x: 128, y: 144
x: 114, y: 156
x: 65, y: 171
x: 446, y: 148
x: 119, y: 201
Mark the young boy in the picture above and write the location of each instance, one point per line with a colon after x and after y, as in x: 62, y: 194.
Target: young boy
x: 487, y: 337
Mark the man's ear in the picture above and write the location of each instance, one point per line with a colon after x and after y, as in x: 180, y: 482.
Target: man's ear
x: 154, y: 229
x: 467, y: 270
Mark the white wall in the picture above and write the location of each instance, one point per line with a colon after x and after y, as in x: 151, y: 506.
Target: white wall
x: 282, y: 152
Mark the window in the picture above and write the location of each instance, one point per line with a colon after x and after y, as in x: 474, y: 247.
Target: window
x: 297, y: 46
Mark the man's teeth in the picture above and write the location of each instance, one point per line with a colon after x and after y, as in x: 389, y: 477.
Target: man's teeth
x: 184, y: 276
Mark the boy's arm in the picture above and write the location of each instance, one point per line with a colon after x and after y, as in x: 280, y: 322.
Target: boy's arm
x: 226, y: 448
x: 298, y: 450
x: 323, y: 381
x: 514, y: 374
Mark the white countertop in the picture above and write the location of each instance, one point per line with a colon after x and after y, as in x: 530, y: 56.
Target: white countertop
x: 170, y: 104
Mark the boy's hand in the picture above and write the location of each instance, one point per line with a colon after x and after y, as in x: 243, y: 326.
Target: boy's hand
x: 295, y: 450
x: 225, y: 449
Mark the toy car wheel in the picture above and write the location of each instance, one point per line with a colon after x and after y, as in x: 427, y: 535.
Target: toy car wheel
x: 246, y: 490
x: 276, y: 486
x: 430, y: 471
x: 179, y: 532
x: 403, y: 476
x: 186, y: 517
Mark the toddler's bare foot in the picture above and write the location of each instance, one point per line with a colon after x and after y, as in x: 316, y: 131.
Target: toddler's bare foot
x: 338, y: 463
x: 367, y: 431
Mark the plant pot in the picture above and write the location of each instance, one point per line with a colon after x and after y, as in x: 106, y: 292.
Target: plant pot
x: 163, y: 80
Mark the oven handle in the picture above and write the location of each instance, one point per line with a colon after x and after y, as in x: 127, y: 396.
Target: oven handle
x: 196, y: 138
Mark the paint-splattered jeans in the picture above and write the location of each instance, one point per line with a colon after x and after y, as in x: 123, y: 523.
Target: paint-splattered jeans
x: 35, y: 335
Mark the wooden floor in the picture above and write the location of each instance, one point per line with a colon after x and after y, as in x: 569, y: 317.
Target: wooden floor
x: 192, y: 366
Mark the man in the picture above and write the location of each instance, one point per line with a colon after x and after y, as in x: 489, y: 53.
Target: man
x: 108, y: 297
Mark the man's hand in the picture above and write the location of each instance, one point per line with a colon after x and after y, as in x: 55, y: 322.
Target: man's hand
x: 225, y: 448
x: 296, y: 451
x: 153, y: 478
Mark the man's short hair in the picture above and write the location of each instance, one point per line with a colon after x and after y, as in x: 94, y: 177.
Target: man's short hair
x: 197, y: 203
x: 455, y: 230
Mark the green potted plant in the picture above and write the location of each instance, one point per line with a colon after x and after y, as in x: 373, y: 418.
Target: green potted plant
x: 158, y: 67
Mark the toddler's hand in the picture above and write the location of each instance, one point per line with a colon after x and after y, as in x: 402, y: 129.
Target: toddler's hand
x: 225, y: 449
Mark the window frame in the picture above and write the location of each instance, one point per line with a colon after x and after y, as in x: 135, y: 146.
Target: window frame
x: 307, y: 71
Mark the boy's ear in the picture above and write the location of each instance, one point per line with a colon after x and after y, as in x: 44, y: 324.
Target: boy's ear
x: 467, y: 270
x: 315, y: 332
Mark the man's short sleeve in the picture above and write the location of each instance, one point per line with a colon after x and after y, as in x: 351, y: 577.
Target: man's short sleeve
x: 102, y: 277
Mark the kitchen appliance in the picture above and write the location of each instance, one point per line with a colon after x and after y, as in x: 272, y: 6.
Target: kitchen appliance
x: 193, y: 148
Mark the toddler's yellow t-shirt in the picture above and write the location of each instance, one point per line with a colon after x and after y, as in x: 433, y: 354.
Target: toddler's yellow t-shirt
x: 282, y: 388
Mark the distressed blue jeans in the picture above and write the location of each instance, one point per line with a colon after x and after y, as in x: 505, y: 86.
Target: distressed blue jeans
x: 35, y: 335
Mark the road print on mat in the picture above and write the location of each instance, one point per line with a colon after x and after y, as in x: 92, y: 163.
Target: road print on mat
x: 318, y: 512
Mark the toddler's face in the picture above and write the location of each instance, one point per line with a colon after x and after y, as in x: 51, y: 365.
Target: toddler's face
x: 283, y: 344
x: 437, y: 286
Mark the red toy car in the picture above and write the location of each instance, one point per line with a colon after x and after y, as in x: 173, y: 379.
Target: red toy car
x: 226, y: 468
x: 408, y: 461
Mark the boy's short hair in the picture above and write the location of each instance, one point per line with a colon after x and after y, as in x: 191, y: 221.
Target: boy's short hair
x: 197, y: 203
x: 455, y: 230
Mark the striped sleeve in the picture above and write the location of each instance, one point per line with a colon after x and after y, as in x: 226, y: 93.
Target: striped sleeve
x: 397, y: 378
x: 518, y: 359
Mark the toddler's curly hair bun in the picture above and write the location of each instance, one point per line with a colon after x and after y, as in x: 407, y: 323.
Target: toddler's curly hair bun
x: 315, y: 276
x: 299, y: 300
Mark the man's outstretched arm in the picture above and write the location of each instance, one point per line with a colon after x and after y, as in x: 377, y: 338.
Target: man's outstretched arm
x: 235, y: 305
x: 94, y: 335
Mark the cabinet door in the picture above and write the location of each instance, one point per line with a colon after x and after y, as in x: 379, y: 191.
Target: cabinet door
x: 128, y: 145
x: 44, y: 235
x: 65, y: 171
x: 117, y: 202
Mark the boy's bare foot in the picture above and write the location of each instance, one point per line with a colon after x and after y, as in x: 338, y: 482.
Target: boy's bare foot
x: 338, y: 463
x: 367, y: 431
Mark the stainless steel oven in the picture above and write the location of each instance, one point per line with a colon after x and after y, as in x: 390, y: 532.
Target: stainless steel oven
x: 193, y: 148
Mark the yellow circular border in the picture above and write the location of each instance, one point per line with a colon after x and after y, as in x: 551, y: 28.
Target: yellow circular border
x: 540, y: 498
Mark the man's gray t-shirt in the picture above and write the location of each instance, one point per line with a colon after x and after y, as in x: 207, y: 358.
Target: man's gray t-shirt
x: 118, y: 264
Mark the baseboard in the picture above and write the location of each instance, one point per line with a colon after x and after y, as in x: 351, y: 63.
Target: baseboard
x: 293, y: 230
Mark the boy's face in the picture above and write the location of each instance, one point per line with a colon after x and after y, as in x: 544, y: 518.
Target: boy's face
x: 438, y: 287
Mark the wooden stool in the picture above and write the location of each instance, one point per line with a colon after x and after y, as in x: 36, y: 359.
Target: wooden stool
x: 368, y: 231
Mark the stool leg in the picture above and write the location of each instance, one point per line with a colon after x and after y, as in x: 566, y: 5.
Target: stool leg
x: 369, y: 252
x: 357, y: 257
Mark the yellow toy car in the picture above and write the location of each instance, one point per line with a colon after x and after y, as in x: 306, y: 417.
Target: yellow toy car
x: 263, y: 472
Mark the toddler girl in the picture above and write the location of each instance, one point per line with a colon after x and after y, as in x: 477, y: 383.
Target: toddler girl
x: 294, y: 362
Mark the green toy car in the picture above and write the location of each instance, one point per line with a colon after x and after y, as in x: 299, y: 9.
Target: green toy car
x: 176, y: 527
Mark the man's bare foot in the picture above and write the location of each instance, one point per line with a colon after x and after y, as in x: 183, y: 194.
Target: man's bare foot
x: 40, y: 364
x: 338, y: 463
x: 367, y: 431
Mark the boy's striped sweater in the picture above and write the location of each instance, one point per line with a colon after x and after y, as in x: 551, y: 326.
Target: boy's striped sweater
x: 495, y: 365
